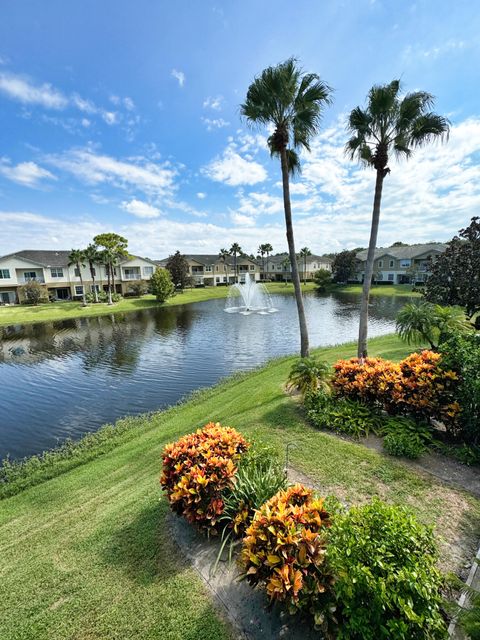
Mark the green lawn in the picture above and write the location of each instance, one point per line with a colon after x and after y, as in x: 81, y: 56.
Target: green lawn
x: 89, y: 555
x: 22, y: 314
x: 381, y: 290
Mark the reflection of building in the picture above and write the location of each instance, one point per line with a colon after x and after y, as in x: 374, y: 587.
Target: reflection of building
x: 400, y: 265
x: 279, y: 268
x: 50, y: 268
x: 211, y: 270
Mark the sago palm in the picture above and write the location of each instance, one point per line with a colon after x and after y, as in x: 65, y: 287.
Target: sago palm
x: 308, y: 375
x: 290, y: 101
x: 388, y: 125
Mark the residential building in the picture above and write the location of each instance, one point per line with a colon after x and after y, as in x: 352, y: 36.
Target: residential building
x: 63, y: 282
x: 400, y: 265
x: 278, y: 267
x: 211, y: 270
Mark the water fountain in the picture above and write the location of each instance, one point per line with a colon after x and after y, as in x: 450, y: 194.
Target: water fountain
x: 249, y: 297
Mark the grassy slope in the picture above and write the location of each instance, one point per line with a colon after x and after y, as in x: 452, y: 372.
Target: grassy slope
x: 22, y: 314
x: 88, y: 554
x: 403, y: 290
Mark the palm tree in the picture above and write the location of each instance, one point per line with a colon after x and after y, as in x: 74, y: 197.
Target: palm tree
x: 291, y: 101
x: 261, y: 251
x: 92, y: 255
x: 267, y: 247
x: 235, y: 250
x: 389, y: 124
x: 77, y: 257
x: 109, y: 257
x: 304, y: 253
x: 285, y: 265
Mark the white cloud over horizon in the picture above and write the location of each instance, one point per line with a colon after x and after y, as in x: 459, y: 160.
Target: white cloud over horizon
x: 140, y: 209
x: 28, y: 174
x: 234, y: 170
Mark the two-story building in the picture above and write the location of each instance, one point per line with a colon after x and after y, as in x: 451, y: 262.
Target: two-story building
x: 400, y: 265
x: 279, y: 268
x: 61, y: 280
x: 213, y: 270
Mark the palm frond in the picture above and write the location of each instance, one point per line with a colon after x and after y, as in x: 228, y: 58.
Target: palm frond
x: 412, y: 106
x: 359, y: 122
x: 383, y: 99
x: 429, y: 127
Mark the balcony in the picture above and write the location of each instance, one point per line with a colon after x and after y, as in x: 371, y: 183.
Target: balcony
x: 131, y: 276
x: 26, y: 279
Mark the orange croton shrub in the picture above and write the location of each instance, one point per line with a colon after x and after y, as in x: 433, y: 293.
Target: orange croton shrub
x: 371, y: 380
x: 197, y: 468
x: 284, y: 551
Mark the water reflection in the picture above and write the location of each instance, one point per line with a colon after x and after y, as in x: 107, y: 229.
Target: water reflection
x: 65, y: 378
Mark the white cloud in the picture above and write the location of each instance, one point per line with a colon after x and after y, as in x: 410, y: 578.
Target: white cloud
x: 110, y: 117
x: 85, y: 122
x: 128, y: 104
x: 215, y: 123
x: 201, y: 195
x: 28, y: 174
x: 140, y: 209
x: 213, y: 103
x: 139, y: 173
x: 22, y: 89
x: 234, y: 170
x: 180, y: 76
x: 255, y: 204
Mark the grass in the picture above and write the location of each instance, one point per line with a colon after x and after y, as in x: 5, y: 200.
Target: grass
x: 402, y: 290
x: 88, y: 554
x: 23, y: 314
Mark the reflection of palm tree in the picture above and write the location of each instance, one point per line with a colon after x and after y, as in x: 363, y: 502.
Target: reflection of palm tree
x: 77, y: 257
x: 235, y: 250
x: 388, y: 125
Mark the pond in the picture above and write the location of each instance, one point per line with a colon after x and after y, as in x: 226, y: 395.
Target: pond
x: 60, y: 380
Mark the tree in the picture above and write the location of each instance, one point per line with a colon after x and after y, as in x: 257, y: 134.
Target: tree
x: 33, y: 292
x: 161, y: 284
x: 344, y: 265
x: 455, y: 275
x: 322, y: 279
x: 92, y: 256
x: 304, y: 253
x: 115, y: 248
x: 425, y: 322
x: 235, y: 250
x: 138, y: 289
x: 291, y: 102
x: 179, y: 270
x: 262, y: 252
x: 286, y: 264
x: 77, y: 257
x: 388, y: 125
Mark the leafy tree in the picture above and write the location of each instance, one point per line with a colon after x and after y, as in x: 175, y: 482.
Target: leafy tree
x: 425, y: 322
x: 344, y: 264
x: 33, y: 292
x: 322, y: 279
x: 455, y: 275
x: 161, y: 284
x: 92, y: 256
x: 304, y: 253
x: 235, y: 250
x: 291, y: 102
x: 77, y: 257
x: 388, y: 125
x: 115, y: 248
x: 179, y: 270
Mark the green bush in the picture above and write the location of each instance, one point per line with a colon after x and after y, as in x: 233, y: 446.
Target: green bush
x: 308, y: 375
x: 386, y: 582
x: 161, y: 284
x: 405, y: 437
x: 400, y: 444
x: 342, y: 415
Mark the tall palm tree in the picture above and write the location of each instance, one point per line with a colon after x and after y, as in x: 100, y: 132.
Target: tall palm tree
x: 76, y: 257
x: 109, y: 258
x: 261, y: 251
x: 304, y: 253
x: 389, y: 124
x: 235, y: 250
x: 267, y: 247
x: 286, y: 263
x: 92, y: 255
x: 291, y: 101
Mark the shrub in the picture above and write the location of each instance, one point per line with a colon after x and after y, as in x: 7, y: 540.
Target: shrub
x: 322, y: 279
x: 33, y: 292
x: 371, y: 380
x: 161, y: 284
x: 426, y: 322
x: 386, y: 582
x: 309, y: 374
x: 284, y: 552
x: 137, y: 289
x: 401, y: 444
x: 406, y: 437
x: 342, y: 415
x: 197, y: 469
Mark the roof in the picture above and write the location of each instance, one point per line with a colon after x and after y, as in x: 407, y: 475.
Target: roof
x: 207, y: 259
x: 405, y: 253
x: 47, y: 258
x: 278, y: 259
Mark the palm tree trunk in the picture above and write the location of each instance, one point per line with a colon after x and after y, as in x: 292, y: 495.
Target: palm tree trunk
x: 84, y: 300
x: 305, y: 270
x: 367, y: 283
x: 93, y: 282
x: 304, y: 349
x: 110, y: 274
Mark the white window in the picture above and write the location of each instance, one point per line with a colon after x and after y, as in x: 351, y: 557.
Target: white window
x: 147, y: 271
x: 78, y: 290
x: 392, y: 264
x: 208, y: 267
x: 405, y: 263
x: 76, y: 271
x: 30, y: 275
x: 56, y: 272
x: 252, y: 267
x: 380, y: 263
x: 4, y: 273
x: 391, y: 277
x: 94, y: 287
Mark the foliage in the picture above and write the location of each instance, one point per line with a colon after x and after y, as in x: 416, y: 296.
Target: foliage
x: 461, y: 353
x: 103, y: 296
x: 426, y: 322
x: 455, y: 275
x: 308, y: 375
x: 370, y: 380
x: 467, y: 615
x: 344, y: 265
x: 386, y: 582
x: 179, y: 270
x: 197, y: 469
x: 33, y: 292
x: 406, y: 437
x: 401, y: 444
x: 138, y: 289
x: 322, y: 279
x: 284, y: 551
x: 161, y: 284
x: 343, y: 415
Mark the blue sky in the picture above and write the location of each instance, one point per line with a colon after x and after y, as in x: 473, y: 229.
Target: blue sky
x: 124, y: 116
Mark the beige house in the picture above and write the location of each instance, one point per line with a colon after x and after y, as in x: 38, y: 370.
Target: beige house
x: 63, y: 282
x: 278, y: 267
x: 211, y: 270
x: 400, y: 265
